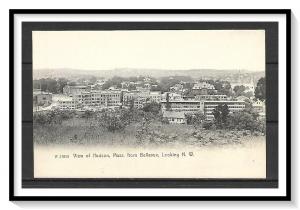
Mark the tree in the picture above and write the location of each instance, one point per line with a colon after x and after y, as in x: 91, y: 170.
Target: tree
x: 111, y: 121
x: 87, y: 114
x: 195, y: 119
x: 245, y: 121
x: 152, y: 107
x: 221, y: 113
x: 72, y: 84
x: 61, y: 83
x: 207, y: 125
x: 167, y: 82
x: 115, y: 120
x: 52, y: 117
x: 157, y: 87
x: 93, y: 79
x: 115, y: 81
x: 241, y: 121
x: 239, y: 90
x: 222, y: 87
x: 168, y: 106
x: 260, y: 90
x: 131, y: 104
x: 131, y: 87
x: 50, y: 85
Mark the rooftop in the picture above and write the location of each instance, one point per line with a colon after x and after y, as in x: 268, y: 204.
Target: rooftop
x: 171, y: 114
x: 41, y: 93
x: 78, y: 86
x: 59, y: 97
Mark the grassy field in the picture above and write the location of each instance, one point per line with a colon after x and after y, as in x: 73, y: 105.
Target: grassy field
x: 78, y: 131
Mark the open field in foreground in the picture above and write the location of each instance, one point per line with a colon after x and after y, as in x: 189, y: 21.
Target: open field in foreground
x: 85, y: 132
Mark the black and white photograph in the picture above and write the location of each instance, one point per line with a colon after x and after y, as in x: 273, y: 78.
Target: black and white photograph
x: 149, y: 104
x: 133, y: 105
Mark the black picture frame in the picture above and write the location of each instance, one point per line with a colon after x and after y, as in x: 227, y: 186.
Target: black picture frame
x: 144, y: 183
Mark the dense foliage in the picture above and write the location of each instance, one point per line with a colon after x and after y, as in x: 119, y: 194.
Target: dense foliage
x: 260, y: 90
x: 221, y: 113
x: 195, y: 119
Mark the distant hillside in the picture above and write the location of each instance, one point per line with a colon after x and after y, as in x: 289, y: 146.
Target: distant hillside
x: 128, y: 72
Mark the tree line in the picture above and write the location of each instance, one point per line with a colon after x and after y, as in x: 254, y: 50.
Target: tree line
x: 118, y: 120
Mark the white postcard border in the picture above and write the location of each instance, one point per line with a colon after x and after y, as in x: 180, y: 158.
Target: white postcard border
x: 19, y: 18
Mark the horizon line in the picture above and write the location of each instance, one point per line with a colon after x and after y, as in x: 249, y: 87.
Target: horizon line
x: 135, y: 68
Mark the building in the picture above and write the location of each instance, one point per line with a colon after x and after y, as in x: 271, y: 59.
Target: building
x: 129, y: 97
x: 186, y: 106
x: 211, y: 97
x: 203, y: 85
x: 147, y: 79
x: 147, y: 85
x: 260, y: 108
x: 203, y: 88
x: 143, y: 89
x: 177, y: 88
x: 111, y: 98
x: 41, y: 98
x: 138, y: 99
x: 67, y: 103
x: 155, y: 96
x: 206, y: 107
x: 174, y: 117
x: 172, y: 96
x: 233, y: 106
x: 71, y: 90
x: 99, y: 99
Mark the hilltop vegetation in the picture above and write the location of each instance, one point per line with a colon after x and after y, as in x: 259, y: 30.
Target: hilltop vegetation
x: 141, y: 127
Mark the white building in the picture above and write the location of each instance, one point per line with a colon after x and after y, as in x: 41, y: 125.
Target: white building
x: 177, y: 88
x: 203, y: 88
x: 203, y: 85
x: 71, y: 90
x: 140, y: 98
x: 66, y: 103
x: 174, y: 117
x: 206, y: 107
x: 233, y: 106
x: 211, y: 97
x: 260, y: 108
x: 186, y: 106
x: 172, y: 96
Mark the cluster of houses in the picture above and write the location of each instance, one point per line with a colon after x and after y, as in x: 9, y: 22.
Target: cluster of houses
x: 174, y: 104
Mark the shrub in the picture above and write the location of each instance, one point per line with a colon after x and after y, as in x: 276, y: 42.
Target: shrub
x: 115, y: 120
x: 52, y: 117
x: 195, y: 119
x: 207, y: 125
x: 245, y: 121
x: 152, y: 107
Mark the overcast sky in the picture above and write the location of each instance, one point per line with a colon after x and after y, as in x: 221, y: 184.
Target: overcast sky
x: 172, y: 49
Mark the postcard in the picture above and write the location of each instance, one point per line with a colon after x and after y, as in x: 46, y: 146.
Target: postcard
x: 149, y: 104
